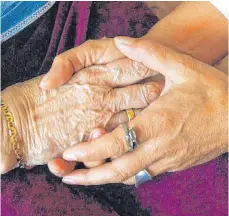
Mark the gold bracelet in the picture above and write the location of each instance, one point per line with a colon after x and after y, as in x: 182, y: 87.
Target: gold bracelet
x: 13, y: 133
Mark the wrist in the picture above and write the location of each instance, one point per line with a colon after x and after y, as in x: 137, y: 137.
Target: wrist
x: 8, y: 157
x: 193, y: 28
x: 13, y: 100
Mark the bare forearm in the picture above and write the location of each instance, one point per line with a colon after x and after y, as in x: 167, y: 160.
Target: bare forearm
x: 194, y: 28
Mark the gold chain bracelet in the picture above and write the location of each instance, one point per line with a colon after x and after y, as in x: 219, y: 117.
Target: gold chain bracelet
x: 13, y: 133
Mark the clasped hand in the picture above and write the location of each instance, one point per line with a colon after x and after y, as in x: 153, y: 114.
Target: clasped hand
x: 184, y: 127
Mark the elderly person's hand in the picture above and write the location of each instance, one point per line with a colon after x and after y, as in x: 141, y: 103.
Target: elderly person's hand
x: 96, y: 62
x: 50, y: 121
x: 185, y: 126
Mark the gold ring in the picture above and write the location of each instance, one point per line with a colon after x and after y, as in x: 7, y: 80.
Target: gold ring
x: 130, y: 114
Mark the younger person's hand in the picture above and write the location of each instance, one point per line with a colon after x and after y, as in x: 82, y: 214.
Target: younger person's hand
x: 184, y: 127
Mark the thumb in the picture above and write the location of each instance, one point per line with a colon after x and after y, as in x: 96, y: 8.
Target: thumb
x: 154, y: 56
x: 71, y: 61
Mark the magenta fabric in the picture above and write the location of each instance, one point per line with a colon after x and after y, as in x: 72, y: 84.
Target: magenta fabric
x: 200, y: 191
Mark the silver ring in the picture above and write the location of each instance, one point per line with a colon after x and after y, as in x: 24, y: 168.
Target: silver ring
x: 127, y: 137
x: 143, y: 176
x: 133, y: 139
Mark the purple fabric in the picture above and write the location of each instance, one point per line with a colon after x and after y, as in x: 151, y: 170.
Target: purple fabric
x: 200, y: 191
x: 44, y: 199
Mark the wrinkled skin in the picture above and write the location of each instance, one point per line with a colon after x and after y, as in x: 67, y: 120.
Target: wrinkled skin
x: 96, y: 62
x: 183, y: 36
x: 184, y: 127
x: 50, y: 121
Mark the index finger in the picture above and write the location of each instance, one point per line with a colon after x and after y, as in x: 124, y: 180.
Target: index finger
x: 89, y: 53
x: 111, y: 144
x: 108, y: 145
x: 117, y: 171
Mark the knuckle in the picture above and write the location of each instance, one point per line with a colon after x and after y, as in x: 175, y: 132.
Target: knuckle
x: 120, y: 145
x: 147, y: 156
x: 139, y: 69
x: 185, y: 149
x: 90, y: 42
x: 59, y: 59
x: 178, y: 155
x: 62, y: 60
x: 118, y: 175
x: 86, y: 179
x: 157, y: 87
x: 114, y: 73
x: 150, y: 91
x: 145, y: 129
x: 146, y: 93
x: 109, y: 101
x: 115, y: 100
x: 92, y: 49
x: 167, y: 119
x: 175, y: 164
x: 90, y: 75
x: 170, y: 152
x: 96, y: 47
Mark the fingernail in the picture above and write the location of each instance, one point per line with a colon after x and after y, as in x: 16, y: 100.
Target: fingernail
x: 68, y: 180
x: 152, y: 96
x: 90, y: 136
x: 44, y: 84
x: 124, y: 41
x: 55, y: 171
x: 29, y: 167
x: 96, y: 134
x: 69, y: 157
